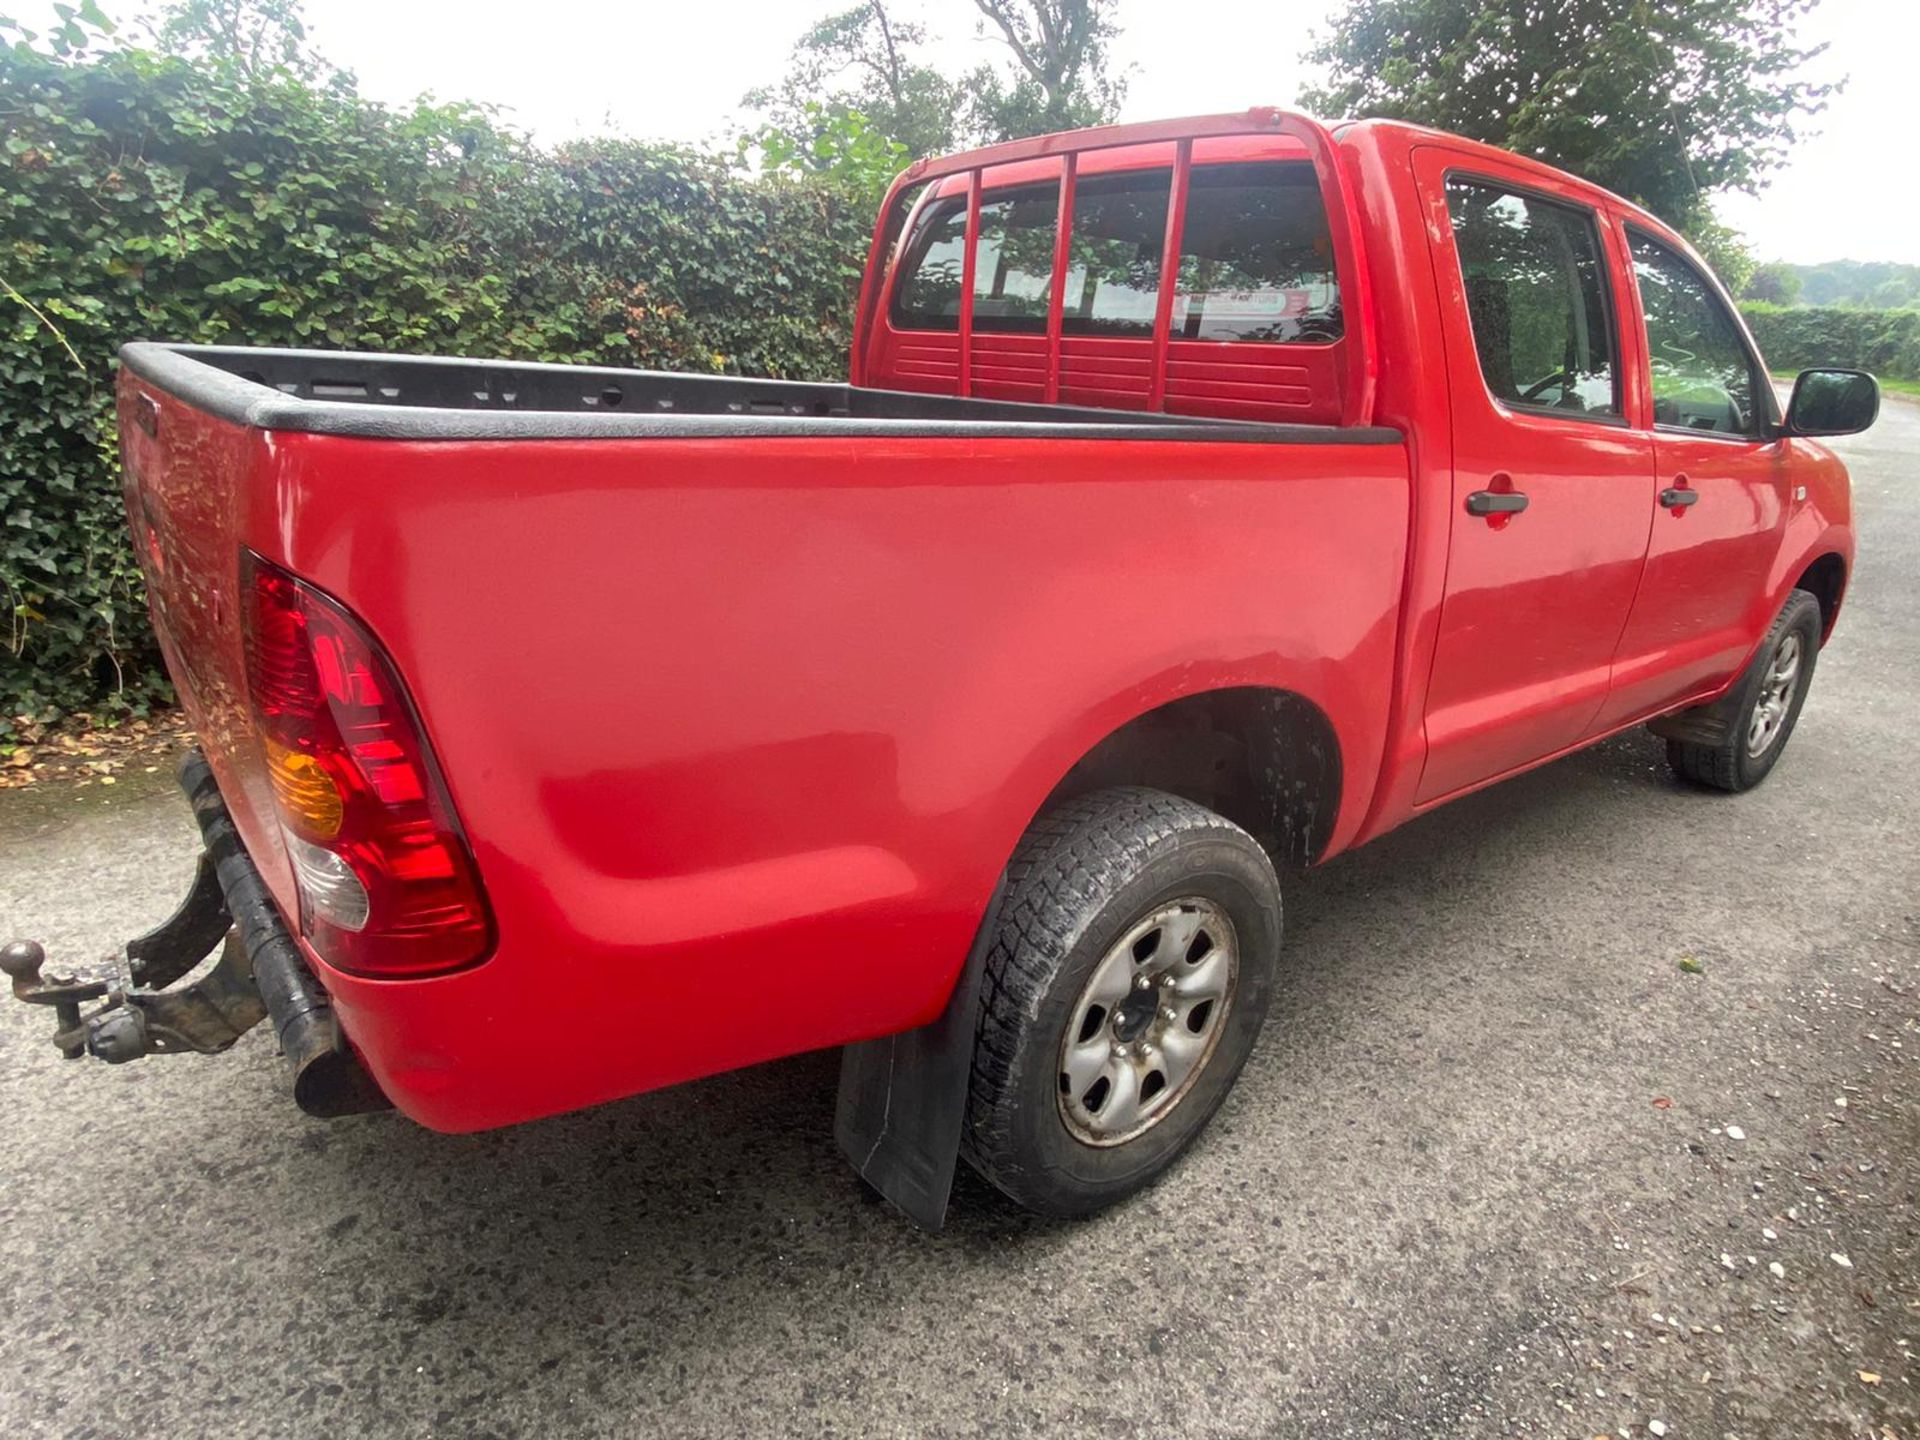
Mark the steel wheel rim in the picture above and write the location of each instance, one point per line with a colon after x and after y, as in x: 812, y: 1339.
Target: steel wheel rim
x: 1147, y: 1021
x: 1776, y: 695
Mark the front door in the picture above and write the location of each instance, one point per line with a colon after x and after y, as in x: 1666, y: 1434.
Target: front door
x: 1551, y: 488
x: 1724, y: 484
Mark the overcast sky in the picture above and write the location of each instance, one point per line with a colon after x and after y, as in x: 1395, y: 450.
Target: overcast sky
x: 675, y: 70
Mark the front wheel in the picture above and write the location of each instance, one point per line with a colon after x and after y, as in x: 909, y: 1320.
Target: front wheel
x: 1131, y: 970
x: 1763, y: 707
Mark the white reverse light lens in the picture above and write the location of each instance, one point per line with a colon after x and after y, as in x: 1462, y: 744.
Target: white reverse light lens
x: 332, y: 891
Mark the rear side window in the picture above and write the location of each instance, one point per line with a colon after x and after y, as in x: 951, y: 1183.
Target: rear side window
x: 1256, y: 258
x: 1703, y: 374
x: 1538, y: 299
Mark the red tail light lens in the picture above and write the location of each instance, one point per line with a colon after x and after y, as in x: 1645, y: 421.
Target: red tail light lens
x: 387, y: 885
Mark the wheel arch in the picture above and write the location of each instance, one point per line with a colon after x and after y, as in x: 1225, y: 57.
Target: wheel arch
x: 1266, y: 758
x: 1825, y: 578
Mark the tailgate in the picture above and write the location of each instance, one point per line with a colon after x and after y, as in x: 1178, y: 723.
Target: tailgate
x: 196, y: 487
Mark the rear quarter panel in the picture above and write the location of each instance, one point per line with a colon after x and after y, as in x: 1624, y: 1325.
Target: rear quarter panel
x: 743, y: 731
x: 196, y: 489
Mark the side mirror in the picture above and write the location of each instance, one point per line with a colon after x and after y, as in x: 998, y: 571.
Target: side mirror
x: 1833, y: 402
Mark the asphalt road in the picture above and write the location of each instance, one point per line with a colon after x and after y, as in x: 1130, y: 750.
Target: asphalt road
x: 1443, y: 1201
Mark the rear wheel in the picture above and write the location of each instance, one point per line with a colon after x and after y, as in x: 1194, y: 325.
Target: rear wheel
x: 1762, y: 709
x: 1129, y: 977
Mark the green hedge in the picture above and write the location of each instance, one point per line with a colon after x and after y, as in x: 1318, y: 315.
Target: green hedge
x: 144, y: 196
x: 1799, y: 337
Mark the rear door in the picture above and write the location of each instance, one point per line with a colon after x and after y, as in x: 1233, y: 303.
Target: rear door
x: 1723, y: 491
x: 1551, y: 487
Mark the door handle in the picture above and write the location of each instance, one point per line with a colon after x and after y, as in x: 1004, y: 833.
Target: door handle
x: 1675, y: 498
x: 1496, y: 502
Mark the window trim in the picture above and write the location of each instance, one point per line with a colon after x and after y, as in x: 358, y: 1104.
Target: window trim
x: 1766, y: 425
x: 1608, y: 300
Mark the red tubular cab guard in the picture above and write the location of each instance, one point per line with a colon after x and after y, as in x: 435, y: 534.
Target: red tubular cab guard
x: 1342, y: 220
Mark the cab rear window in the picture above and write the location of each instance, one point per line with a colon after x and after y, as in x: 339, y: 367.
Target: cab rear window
x: 1256, y: 262
x: 1256, y: 257
x: 1013, y: 267
x: 1113, y: 254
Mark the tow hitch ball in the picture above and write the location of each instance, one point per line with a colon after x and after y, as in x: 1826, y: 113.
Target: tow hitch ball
x: 204, y: 1018
x: 22, y: 961
x: 258, y: 976
x: 143, y: 1017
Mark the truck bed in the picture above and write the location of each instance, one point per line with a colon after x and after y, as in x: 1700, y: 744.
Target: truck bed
x: 742, y: 691
x: 408, y: 397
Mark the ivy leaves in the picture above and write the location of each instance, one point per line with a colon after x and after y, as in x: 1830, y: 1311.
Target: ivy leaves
x: 147, y: 195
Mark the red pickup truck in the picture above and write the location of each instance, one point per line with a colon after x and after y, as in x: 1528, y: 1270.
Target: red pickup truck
x: 1208, y: 498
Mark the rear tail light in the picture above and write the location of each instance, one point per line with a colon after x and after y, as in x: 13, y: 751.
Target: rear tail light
x: 387, y: 885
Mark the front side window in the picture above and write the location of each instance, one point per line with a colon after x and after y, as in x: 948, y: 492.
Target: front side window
x: 1256, y: 257
x: 1703, y: 375
x: 1537, y: 297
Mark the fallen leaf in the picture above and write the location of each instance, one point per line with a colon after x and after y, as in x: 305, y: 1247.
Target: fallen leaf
x: 1690, y: 966
x: 1867, y: 1377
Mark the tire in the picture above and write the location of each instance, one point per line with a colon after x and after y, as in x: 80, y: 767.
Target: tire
x: 1743, y: 756
x: 1103, y: 891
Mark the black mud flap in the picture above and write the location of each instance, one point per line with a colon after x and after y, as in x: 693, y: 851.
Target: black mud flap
x: 903, y: 1098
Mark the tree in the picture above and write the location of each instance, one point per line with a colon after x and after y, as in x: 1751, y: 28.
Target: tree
x: 861, y: 60
x: 254, y: 39
x: 1061, y: 80
x: 1664, y: 101
x: 1722, y: 247
x: 216, y: 195
x: 840, y: 146
x: 865, y: 62
x: 1774, y: 282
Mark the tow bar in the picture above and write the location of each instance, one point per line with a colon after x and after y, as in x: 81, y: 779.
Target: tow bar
x: 260, y: 974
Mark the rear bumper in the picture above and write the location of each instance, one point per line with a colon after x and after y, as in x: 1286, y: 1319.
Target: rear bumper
x: 260, y: 975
